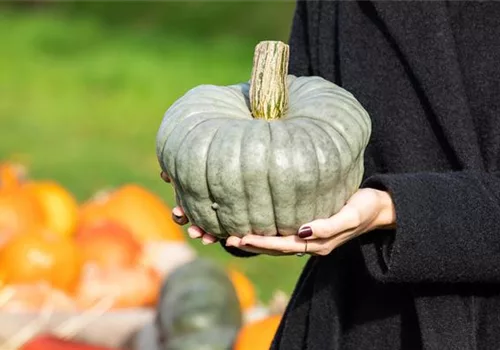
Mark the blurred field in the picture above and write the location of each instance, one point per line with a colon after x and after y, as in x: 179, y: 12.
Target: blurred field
x: 83, y: 90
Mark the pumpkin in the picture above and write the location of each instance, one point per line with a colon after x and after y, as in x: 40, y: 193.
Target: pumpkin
x: 267, y: 156
x: 40, y: 256
x: 137, y: 209
x: 213, y: 339
x: 19, y: 212
x: 244, y: 289
x: 108, y: 244
x: 58, y: 204
x: 198, y: 298
x: 135, y: 286
x: 258, y: 335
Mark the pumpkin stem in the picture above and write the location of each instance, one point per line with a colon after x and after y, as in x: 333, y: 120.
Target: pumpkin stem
x: 268, y: 85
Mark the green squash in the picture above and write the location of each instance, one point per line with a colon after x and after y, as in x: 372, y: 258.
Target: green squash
x: 264, y: 157
x: 198, y: 298
x: 212, y: 339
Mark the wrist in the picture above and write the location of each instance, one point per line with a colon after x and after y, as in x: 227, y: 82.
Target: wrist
x: 386, y: 218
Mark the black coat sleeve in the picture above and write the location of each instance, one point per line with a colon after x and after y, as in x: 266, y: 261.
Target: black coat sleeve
x: 300, y: 60
x: 447, y: 229
x: 298, y: 65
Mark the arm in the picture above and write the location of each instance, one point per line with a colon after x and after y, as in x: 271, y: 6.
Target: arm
x: 448, y: 229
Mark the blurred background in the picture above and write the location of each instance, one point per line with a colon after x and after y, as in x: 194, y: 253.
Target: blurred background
x: 84, y: 85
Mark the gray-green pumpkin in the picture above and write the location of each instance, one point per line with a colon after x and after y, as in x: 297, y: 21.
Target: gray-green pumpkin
x: 198, y: 299
x: 211, y: 339
x: 267, y: 156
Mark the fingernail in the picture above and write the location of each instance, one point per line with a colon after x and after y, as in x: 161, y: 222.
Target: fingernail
x: 181, y: 220
x: 164, y: 176
x: 193, y: 233
x: 305, y: 232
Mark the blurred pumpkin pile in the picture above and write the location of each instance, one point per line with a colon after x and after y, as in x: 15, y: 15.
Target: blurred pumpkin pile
x: 104, y: 247
x: 118, y: 247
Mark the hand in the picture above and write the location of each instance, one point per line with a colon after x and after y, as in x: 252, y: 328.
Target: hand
x: 180, y: 218
x: 366, y: 210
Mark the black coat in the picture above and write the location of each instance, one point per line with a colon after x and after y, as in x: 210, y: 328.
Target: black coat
x: 429, y: 75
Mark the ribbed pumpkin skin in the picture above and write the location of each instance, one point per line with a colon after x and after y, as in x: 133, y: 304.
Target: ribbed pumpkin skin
x: 237, y: 175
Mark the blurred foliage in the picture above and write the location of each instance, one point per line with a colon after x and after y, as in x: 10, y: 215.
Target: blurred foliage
x: 254, y: 20
x: 84, y: 86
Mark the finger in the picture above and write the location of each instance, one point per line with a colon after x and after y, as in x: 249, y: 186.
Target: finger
x: 207, y: 238
x: 347, y: 218
x: 165, y: 176
x: 233, y: 241
x: 178, y: 211
x: 278, y: 246
x: 195, y: 232
x: 287, y: 244
x: 293, y: 245
x: 178, y: 216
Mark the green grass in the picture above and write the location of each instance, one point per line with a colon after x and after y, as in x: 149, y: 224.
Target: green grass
x: 81, y: 103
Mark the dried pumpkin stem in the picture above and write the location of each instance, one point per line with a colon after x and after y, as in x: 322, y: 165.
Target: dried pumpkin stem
x: 268, y: 85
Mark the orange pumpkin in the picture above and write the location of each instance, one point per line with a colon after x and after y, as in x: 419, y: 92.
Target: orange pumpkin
x: 59, y: 206
x: 40, y: 256
x: 108, y: 244
x: 244, y: 289
x: 19, y: 211
x: 11, y: 175
x: 137, y: 209
x: 128, y: 287
x: 257, y: 335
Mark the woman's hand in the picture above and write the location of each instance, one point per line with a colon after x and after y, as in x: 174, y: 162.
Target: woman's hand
x: 180, y: 218
x: 366, y: 210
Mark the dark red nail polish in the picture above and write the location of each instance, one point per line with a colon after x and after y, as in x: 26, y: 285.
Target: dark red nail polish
x: 305, y: 232
x: 164, y: 176
x: 180, y: 220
